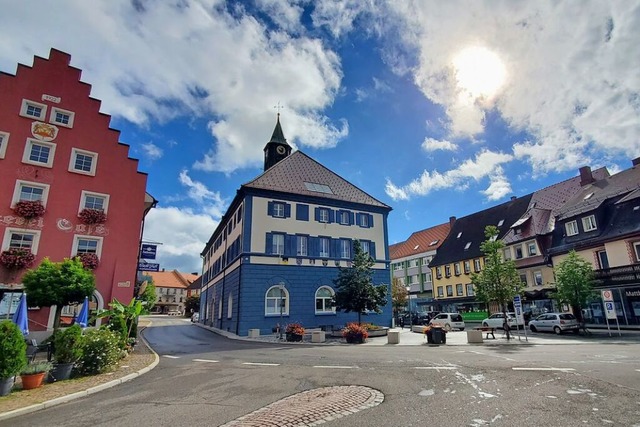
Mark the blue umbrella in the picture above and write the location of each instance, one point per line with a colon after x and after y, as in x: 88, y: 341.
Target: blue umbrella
x: 83, y: 316
x: 20, y: 316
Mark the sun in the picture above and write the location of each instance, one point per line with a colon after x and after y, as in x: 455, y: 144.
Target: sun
x: 479, y: 71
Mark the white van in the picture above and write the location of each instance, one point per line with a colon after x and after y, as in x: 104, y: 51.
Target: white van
x: 448, y: 321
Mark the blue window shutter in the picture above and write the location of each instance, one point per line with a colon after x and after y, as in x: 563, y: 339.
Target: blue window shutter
x: 314, y: 246
x: 332, y: 216
x: 317, y: 213
x: 358, y: 215
x: 335, y: 248
x: 289, y: 245
x: 270, y: 208
x: 370, y: 220
x: 287, y: 210
x: 269, y: 245
x: 372, y: 250
x: 302, y: 212
x: 351, y: 218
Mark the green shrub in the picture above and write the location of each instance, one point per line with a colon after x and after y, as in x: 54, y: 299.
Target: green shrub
x: 67, y: 344
x: 118, y: 325
x: 13, y: 350
x: 100, y: 351
x: 36, y: 368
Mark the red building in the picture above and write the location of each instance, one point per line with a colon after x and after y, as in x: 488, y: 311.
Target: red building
x: 56, y: 147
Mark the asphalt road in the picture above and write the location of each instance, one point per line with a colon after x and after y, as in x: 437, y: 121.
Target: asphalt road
x: 207, y: 380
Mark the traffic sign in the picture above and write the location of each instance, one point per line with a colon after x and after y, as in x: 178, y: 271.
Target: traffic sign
x: 607, y: 295
x: 610, y: 309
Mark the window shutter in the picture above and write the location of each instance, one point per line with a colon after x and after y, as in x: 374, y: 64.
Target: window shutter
x: 335, y: 248
x: 314, y: 246
x: 351, y: 218
x: 287, y: 210
x: 269, y: 244
x: 302, y: 212
x: 317, y: 214
x: 370, y: 220
x: 372, y: 250
x: 332, y: 216
x: 270, y: 208
x: 289, y: 245
x: 358, y: 215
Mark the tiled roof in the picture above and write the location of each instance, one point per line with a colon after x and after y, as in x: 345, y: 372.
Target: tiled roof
x: 171, y: 279
x: 420, y: 242
x: 291, y: 173
x: 470, y: 230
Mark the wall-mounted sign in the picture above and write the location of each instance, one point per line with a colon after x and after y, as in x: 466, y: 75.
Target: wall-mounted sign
x: 126, y: 284
x: 51, y: 98
x: 148, y: 251
x: 148, y: 266
x: 44, y: 131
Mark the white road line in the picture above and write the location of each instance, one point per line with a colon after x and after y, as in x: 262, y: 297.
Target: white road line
x: 544, y: 369
x: 335, y: 367
x: 261, y: 364
x: 205, y: 360
x: 171, y: 357
x: 437, y: 368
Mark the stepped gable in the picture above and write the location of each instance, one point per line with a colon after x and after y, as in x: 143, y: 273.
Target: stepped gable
x: 420, y: 242
x: 471, y: 230
x: 293, y: 174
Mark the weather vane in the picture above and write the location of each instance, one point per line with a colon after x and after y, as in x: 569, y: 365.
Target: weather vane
x: 278, y: 107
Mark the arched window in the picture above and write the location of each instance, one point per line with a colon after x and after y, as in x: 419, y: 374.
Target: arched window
x: 324, y: 295
x: 276, y: 299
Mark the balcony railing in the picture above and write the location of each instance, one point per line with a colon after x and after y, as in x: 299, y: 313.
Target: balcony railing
x: 626, y: 275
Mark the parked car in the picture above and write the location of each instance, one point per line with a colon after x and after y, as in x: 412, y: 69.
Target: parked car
x: 195, y: 317
x: 496, y: 320
x: 556, y: 322
x: 448, y: 321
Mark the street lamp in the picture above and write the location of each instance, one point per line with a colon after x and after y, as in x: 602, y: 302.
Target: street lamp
x: 282, y: 302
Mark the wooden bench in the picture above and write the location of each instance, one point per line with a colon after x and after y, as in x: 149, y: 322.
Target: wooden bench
x: 488, y: 330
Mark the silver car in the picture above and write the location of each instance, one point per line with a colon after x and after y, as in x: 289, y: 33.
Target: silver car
x: 496, y: 320
x: 556, y: 322
x: 448, y: 321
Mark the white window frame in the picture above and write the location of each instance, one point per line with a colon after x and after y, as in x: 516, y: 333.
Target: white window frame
x: 537, y: 274
x: 447, y: 271
x: 467, y: 267
x: 344, y: 218
x: 345, y: 249
x: 449, y: 290
x: 532, y: 245
x: 365, y: 245
x: 506, y: 253
x: 302, y: 245
x: 459, y: 290
x: 25, y: 105
x: 9, y: 231
x: 277, y: 248
x: 440, y: 291
x: 323, y: 216
x: 476, y: 265
x: 27, y: 153
x: 4, y: 140
x: 364, y: 220
x: 72, y: 161
x: 275, y: 310
x: 456, y: 268
x: 55, y: 111
x: 278, y: 210
x: 83, y: 200
x: 322, y: 252
x: 518, y: 249
x: 327, y: 308
x: 78, y: 237
x: 469, y: 289
x: 18, y: 190
x: 636, y: 247
x: 589, y: 223
x: 571, y: 228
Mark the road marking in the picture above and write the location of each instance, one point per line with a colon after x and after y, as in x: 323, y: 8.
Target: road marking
x: 335, y: 367
x: 205, y: 360
x: 544, y: 369
x: 260, y: 364
x: 171, y: 357
x: 436, y: 367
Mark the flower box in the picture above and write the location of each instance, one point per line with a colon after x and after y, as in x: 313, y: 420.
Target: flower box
x: 29, y: 209
x: 354, y: 333
x: 294, y: 332
x: 92, y: 216
x: 16, y: 259
x: 90, y: 261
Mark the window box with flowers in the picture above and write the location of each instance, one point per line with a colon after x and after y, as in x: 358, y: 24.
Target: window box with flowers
x: 92, y: 216
x: 355, y: 333
x: 29, y: 209
x: 16, y: 259
x: 89, y: 260
x: 294, y: 332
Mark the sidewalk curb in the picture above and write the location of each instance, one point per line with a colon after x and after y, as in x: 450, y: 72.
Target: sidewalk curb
x: 87, y: 392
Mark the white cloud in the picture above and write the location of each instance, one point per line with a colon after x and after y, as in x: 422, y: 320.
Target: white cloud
x: 431, y: 144
x: 285, y: 14
x: 205, y: 62
x: 210, y: 201
x: 485, y: 165
x: 152, y: 151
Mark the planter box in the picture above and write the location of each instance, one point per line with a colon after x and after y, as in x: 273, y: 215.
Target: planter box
x: 254, y: 333
x: 318, y: 336
x: 474, y: 337
x: 393, y: 337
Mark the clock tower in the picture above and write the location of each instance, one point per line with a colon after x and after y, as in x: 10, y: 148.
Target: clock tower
x: 277, y: 148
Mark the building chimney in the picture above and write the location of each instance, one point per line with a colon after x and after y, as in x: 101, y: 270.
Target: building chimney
x: 636, y: 161
x: 452, y: 219
x: 513, y: 198
x: 586, y: 177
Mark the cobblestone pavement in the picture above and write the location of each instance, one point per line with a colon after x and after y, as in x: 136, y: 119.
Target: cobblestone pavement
x: 312, y: 407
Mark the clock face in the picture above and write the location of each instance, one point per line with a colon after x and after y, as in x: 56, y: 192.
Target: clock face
x: 280, y: 149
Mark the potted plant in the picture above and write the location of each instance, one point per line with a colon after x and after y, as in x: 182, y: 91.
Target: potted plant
x: 355, y: 333
x: 33, y: 374
x: 67, y: 350
x: 294, y: 332
x: 89, y: 260
x: 16, y: 259
x: 29, y: 209
x: 13, y: 355
x: 92, y: 216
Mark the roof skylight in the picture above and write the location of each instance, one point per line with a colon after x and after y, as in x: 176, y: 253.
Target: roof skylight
x: 318, y: 188
x: 435, y: 242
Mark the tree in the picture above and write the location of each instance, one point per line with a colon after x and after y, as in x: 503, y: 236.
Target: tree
x: 59, y: 283
x: 192, y: 304
x: 499, y: 280
x: 355, y: 290
x: 147, y: 294
x: 399, y: 295
x: 574, y: 284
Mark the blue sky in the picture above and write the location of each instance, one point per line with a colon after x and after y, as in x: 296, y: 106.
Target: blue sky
x: 435, y: 108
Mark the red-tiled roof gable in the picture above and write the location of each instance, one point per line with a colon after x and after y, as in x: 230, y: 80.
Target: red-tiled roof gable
x: 171, y: 279
x: 420, y: 242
